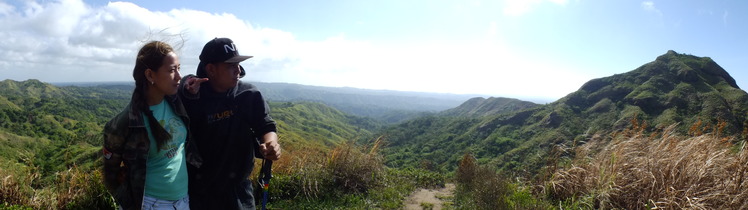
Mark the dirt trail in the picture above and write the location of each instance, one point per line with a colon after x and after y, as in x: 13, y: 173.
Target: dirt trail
x: 431, y: 196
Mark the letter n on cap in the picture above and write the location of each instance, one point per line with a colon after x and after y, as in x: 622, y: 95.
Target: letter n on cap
x: 226, y: 47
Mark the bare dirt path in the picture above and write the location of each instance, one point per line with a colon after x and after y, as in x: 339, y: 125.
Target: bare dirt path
x: 429, y: 196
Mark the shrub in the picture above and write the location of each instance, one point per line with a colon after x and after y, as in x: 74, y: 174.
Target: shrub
x: 354, y: 171
x: 11, y: 192
x: 15, y: 187
x: 78, y: 189
x: 72, y: 189
x: 479, y: 187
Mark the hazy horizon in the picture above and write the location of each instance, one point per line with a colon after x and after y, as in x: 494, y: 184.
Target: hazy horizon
x: 534, y: 100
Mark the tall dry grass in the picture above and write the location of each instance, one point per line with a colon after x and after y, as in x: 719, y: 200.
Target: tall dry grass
x: 347, y: 168
x: 15, y: 184
x: 480, y: 187
x: 354, y: 170
x: 661, y: 170
x: 73, y: 189
x: 347, y: 176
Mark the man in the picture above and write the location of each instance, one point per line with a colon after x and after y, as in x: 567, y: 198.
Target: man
x: 227, y: 117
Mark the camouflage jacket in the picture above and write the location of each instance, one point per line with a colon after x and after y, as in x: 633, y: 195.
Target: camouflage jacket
x: 125, y: 153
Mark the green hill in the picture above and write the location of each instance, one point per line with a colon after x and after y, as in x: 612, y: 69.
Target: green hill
x: 480, y: 107
x: 674, y: 89
x: 36, y: 109
x: 7, y: 104
x: 304, y: 124
x: 30, y: 88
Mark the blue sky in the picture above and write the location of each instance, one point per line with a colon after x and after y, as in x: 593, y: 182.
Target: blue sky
x: 536, y: 50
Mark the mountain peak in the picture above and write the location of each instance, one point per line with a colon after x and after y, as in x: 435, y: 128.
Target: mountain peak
x: 674, y: 88
x: 691, y: 68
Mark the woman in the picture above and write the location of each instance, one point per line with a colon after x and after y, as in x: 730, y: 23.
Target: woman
x: 144, y: 145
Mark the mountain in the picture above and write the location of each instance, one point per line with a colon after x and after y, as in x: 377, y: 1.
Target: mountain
x: 305, y: 124
x: 35, y: 109
x: 479, y: 107
x: 30, y: 88
x: 384, y: 105
x: 673, y: 89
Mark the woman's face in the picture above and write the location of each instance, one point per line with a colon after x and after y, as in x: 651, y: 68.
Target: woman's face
x: 166, y: 78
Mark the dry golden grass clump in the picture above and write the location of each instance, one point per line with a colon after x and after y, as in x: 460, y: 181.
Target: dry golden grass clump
x: 354, y: 170
x: 480, y: 187
x: 15, y: 184
x: 661, y: 170
x: 72, y: 189
x: 314, y: 173
x: 12, y: 192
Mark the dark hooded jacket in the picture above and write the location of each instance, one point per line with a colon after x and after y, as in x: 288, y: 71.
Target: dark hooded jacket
x: 226, y: 128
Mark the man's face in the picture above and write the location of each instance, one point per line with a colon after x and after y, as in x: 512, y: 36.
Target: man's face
x: 223, y: 76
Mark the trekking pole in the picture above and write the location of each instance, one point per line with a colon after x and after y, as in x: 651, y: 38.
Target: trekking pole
x: 265, y: 175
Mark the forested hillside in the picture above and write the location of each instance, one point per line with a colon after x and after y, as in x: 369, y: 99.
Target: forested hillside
x: 481, y: 107
x: 675, y: 89
x: 49, y: 137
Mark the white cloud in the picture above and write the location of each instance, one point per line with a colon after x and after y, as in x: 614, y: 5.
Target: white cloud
x: 650, y: 7
x: 435, y: 67
x: 5, y: 9
x: 68, y: 40
x: 84, y: 43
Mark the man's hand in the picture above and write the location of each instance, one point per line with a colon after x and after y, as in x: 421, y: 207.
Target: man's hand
x: 270, y: 149
x: 193, y: 84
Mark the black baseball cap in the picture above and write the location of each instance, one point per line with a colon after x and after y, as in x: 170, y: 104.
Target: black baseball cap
x: 219, y: 50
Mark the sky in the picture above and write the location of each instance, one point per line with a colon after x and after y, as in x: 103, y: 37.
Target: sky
x: 537, y: 50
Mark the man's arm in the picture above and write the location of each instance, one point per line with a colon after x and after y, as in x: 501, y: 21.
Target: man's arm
x: 270, y: 148
x: 189, y: 87
x: 260, y: 121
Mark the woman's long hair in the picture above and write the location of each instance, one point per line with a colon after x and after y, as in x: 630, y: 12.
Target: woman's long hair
x: 150, y: 56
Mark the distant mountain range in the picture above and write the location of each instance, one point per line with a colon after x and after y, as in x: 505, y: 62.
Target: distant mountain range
x: 384, y: 105
x: 675, y: 88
